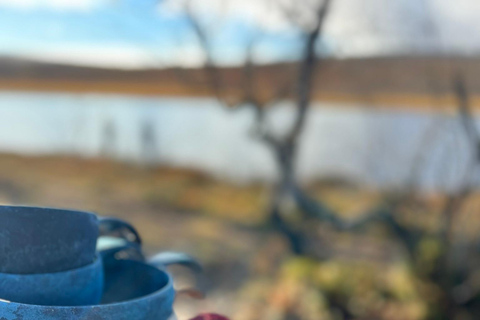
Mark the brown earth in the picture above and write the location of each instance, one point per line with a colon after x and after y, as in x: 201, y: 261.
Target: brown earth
x: 249, y: 273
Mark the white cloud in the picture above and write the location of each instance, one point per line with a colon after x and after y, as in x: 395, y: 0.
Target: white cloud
x: 364, y: 27
x: 354, y: 28
x: 117, y: 56
x: 54, y: 4
x: 405, y: 26
x: 265, y: 13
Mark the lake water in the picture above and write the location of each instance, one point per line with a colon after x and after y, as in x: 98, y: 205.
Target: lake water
x: 370, y: 146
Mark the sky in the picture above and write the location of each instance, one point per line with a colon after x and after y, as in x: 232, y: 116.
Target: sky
x: 156, y: 33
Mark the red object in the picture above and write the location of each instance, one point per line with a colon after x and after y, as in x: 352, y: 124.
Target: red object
x: 210, y: 316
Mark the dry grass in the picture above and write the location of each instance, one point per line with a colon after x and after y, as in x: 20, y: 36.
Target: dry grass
x: 246, y: 268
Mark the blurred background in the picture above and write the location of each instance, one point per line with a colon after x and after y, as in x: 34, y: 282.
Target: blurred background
x: 320, y: 157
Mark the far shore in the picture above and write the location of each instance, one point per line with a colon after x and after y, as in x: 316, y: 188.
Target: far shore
x: 410, y: 82
x: 421, y: 102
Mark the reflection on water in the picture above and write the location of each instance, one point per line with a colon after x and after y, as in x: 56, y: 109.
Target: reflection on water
x: 376, y: 147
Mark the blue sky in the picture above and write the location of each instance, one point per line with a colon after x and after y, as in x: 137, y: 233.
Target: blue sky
x: 124, y: 33
x: 142, y: 33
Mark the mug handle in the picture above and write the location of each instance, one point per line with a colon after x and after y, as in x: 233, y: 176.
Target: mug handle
x: 168, y: 258
x: 128, y: 251
x: 109, y: 225
x: 164, y: 259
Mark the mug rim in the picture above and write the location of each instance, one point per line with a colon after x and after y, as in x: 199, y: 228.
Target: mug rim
x: 167, y: 287
x: 45, y: 209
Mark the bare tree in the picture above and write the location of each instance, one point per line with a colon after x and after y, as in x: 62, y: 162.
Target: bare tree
x: 454, y: 279
x: 284, y: 148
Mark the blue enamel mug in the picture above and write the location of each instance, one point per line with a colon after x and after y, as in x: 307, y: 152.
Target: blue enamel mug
x: 133, y: 290
x: 36, y: 240
x: 80, y: 286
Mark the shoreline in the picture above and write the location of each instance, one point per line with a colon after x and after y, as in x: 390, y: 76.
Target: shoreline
x: 383, y: 100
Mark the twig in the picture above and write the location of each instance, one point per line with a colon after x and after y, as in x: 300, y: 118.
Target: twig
x: 306, y: 73
x: 466, y: 115
x: 383, y: 213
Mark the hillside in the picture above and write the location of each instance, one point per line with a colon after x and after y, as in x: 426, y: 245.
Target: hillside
x: 396, y: 80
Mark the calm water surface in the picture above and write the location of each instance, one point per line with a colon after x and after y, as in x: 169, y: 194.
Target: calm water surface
x: 371, y: 146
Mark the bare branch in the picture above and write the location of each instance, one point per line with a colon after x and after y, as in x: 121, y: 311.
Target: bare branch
x: 291, y: 15
x: 293, y: 12
x: 306, y: 72
x: 249, y: 74
x: 249, y: 97
x: 383, y: 213
x: 467, y: 118
x: 213, y: 73
x: 420, y: 156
